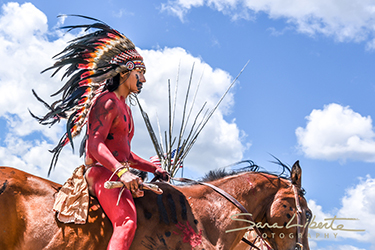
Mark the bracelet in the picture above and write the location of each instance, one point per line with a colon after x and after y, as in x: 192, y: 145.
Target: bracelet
x: 123, y: 170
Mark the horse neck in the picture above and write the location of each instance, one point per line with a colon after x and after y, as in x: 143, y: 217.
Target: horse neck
x: 255, y: 191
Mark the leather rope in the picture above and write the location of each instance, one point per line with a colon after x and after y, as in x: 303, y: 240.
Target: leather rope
x: 230, y: 198
x: 234, y: 202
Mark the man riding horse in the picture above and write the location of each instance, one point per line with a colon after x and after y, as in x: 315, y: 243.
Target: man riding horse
x: 104, y: 69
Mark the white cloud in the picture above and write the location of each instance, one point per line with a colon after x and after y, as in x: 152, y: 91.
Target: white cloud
x: 22, y: 22
x: 33, y: 157
x: 345, y: 20
x: 180, y: 8
x: 337, y: 133
x: 356, y: 204
x: 359, y: 202
x: 23, y: 31
x: 27, y: 52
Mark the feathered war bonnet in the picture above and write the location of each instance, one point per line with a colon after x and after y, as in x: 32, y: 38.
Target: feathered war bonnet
x: 92, y: 60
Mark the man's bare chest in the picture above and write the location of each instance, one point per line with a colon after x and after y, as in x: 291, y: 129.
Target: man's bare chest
x: 123, y: 124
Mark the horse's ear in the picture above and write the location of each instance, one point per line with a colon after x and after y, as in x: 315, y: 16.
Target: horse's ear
x: 296, y: 173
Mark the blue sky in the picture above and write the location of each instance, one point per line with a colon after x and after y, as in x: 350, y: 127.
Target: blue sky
x: 307, y: 93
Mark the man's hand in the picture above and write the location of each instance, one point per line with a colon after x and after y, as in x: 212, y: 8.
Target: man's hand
x: 131, y: 181
x: 164, y: 175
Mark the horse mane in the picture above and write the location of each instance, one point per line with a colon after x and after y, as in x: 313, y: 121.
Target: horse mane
x: 220, y: 173
x: 223, y: 172
x: 252, y: 167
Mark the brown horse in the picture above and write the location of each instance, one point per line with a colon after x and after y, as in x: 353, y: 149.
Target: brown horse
x: 183, y: 217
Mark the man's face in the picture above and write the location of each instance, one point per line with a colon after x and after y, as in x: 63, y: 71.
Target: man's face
x: 140, y: 79
x: 133, y: 80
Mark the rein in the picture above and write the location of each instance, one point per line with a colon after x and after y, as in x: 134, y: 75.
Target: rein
x: 234, y: 202
x: 299, y: 245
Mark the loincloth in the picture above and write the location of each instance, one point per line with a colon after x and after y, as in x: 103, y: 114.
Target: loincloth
x: 72, y: 201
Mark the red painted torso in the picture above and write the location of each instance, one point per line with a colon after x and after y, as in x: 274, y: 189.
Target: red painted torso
x: 110, y: 121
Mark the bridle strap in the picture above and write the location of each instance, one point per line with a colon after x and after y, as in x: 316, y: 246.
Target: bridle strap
x: 234, y: 202
x: 252, y: 244
x: 248, y: 215
x: 299, y: 218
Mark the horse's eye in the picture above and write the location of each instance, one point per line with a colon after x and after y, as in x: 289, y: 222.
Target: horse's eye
x: 308, y: 216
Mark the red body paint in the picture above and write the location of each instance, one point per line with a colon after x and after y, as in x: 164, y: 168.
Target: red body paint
x: 107, y: 117
x: 189, y: 235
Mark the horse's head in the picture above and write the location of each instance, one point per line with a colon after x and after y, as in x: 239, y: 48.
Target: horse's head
x: 288, y: 215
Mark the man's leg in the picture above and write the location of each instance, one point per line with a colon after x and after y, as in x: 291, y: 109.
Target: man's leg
x: 123, y: 216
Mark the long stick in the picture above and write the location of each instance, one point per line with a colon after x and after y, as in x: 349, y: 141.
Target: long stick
x: 212, y: 111
x: 151, y: 132
x: 222, y: 97
x: 183, y: 115
x: 169, y: 146
x: 160, y: 136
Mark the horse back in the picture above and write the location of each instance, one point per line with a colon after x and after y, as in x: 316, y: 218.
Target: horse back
x: 16, y: 196
x: 28, y: 222
x: 167, y: 221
